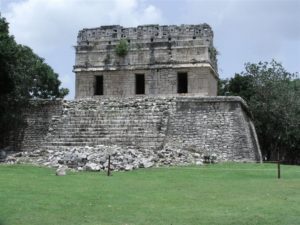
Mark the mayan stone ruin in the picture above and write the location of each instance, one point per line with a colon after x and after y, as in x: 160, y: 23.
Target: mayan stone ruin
x: 155, y: 104
x: 161, y: 60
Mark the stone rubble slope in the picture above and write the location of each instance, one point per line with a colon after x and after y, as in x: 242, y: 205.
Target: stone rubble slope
x: 96, y: 158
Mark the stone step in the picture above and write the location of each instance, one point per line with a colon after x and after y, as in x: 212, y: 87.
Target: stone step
x: 117, y: 136
x: 112, y: 136
x: 99, y: 128
x: 74, y: 135
x: 116, y: 112
x: 113, y: 122
x: 107, y: 128
x: 107, y: 142
x: 114, y: 117
x: 86, y: 132
x: 106, y: 135
x: 52, y: 147
x: 110, y: 125
x: 107, y: 113
x: 100, y: 118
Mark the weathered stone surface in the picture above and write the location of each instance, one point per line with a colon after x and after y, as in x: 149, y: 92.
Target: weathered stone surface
x: 143, y: 132
x: 146, y: 163
x: 128, y: 167
x: 61, y: 171
x: 122, y: 158
x: 158, y: 52
x: 92, y: 167
x: 2, y: 155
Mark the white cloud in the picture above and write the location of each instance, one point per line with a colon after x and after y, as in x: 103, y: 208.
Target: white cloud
x: 50, y: 27
x: 250, y: 30
x: 45, y: 24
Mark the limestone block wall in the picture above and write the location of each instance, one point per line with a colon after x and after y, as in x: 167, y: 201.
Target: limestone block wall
x: 207, y: 125
x: 213, y: 125
x: 158, y: 52
x: 157, y: 82
x: 39, y: 117
x: 148, y: 45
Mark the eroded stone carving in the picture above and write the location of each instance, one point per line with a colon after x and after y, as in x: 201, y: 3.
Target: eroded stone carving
x: 158, y: 52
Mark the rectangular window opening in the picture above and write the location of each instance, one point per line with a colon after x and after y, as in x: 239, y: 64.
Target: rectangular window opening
x: 99, y: 85
x: 139, y: 84
x: 182, y: 83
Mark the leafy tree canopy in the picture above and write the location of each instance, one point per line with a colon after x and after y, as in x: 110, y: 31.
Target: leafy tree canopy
x: 23, y: 76
x: 273, y: 95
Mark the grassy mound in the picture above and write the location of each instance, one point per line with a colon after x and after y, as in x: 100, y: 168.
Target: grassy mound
x: 213, y: 194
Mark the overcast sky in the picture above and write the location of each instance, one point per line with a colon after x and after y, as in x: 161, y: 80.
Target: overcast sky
x: 245, y: 30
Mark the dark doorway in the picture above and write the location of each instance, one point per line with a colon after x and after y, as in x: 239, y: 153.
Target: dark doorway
x: 139, y: 84
x: 182, y: 83
x: 99, y: 85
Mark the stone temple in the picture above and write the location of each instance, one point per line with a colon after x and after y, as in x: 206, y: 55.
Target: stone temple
x: 160, y: 60
x: 154, y: 102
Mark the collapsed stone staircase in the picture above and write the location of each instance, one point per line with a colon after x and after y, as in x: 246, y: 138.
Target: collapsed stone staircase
x: 140, y: 124
x: 205, y: 126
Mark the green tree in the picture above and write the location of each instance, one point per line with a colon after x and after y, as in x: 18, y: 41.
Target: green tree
x: 23, y: 76
x: 223, y: 87
x: 273, y: 95
x: 8, y: 49
x: 241, y: 85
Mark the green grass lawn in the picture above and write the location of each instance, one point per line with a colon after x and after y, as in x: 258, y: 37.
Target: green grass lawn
x: 213, y: 194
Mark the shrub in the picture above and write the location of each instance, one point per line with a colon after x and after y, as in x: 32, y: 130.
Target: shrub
x: 122, y: 48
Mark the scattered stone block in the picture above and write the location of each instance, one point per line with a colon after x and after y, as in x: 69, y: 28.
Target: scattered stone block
x: 92, y: 167
x: 61, y: 171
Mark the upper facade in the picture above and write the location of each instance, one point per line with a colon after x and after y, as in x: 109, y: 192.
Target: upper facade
x: 149, y: 60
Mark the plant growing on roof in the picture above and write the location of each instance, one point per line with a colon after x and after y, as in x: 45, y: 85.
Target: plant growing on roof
x: 122, y: 48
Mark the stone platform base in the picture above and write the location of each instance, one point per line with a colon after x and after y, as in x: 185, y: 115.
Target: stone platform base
x: 203, y: 127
